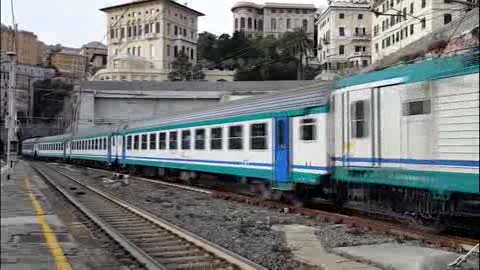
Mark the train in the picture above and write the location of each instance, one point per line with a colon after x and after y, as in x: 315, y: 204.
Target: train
x: 404, y: 138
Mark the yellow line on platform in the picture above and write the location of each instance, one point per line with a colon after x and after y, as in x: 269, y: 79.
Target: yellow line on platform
x: 50, y: 237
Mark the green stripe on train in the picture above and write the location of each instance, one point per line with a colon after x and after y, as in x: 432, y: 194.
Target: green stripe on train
x: 267, y: 174
x: 438, y: 182
x: 250, y: 117
x: 89, y: 158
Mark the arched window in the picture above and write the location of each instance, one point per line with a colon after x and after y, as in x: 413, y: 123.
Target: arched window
x: 260, y: 25
x: 289, y: 23
x: 305, y: 25
x: 236, y: 24
x: 242, y: 23
x: 250, y: 24
x: 274, y: 24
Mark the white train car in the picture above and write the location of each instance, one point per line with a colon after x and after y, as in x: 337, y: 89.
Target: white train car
x: 29, y: 147
x: 280, y: 139
x: 413, y: 127
x: 94, y: 144
x: 53, y: 147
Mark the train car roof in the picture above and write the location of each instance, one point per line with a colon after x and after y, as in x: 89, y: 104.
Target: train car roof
x: 311, y: 96
x: 97, y: 131
x: 32, y: 140
x: 58, y: 138
x: 428, y: 69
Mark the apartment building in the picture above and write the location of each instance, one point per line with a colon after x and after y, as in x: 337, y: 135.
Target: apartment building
x: 28, y: 48
x: 70, y: 64
x: 398, y: 23
x: 344, y: 36
x: 272, y: 19
x: 96, y: 54
x: 145, y: 37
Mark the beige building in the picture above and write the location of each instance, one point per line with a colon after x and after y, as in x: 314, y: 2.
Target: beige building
x: 344, y: 37
x: 396, y: 23
x: 70, y: 64
x: 272, y: 19
x: 96, y: 54
x: 145, y: 37
x: 28, y: 48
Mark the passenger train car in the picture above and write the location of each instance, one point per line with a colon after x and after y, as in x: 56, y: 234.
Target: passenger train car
x: 406, y: 136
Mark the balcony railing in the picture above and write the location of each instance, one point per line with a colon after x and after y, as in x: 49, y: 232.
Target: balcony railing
x: 359, y: 36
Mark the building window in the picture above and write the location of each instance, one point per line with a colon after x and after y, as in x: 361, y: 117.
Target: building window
x: 260, y: 25
x: 305, y: 25
x: 175, y: 51
x: 242, y: 23
x: 289, y: 23
x: 112, y: 33
x: 173, y: 144
x: 364, y: 63
x: 134, y: 31
x: 411, y: 8
x: 157, y: 27
x: 216, y: 138
x: 153, y: 141
x: 236, y: 24
x: 139, y: 51
x: 175, y: 30
x: 258, y: 136
x: 249, y: 23
x: 186, y: 138
x: 168, y: 29
x: 274, y: 24
x: 360, y: 16
x: 184, y: 32
x: 341, y: 31
x: 447, y: 18
x: 424, y: 3
x: 129, y: 31
x: 341, y: 16
x: 359, y: 111
x: 418, y: 107
x: 424, y: 23
x: 341, y: 49
x: 308, y: 129
x: 200, y: 139
x: 192, y: 54
x: 358, y: 48
x: 168, y: 50
x: 235, y: 137
x: 411, y: 29
x: 376, y: 47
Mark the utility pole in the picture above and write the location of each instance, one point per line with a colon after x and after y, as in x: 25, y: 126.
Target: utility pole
x: 11, y: 121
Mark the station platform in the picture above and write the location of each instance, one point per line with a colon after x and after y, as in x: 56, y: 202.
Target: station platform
x: 32, y: 235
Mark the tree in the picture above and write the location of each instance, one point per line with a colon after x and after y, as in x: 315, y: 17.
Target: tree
x: 183, y: 70
x: 299, y: 44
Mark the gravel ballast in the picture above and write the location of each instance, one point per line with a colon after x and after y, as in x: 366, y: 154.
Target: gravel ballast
x: 241, y: 228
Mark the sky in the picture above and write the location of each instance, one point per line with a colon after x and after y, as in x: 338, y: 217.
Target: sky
x: 73, y: 23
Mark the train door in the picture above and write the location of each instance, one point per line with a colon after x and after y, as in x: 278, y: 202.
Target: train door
x: 281, y: 149
x: 111, y: 149
x: 360, y: 129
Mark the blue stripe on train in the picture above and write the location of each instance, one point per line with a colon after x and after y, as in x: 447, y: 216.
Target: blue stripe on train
x: 438, y: 162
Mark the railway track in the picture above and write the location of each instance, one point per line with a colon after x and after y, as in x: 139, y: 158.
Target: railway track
x: 153, y: 242
x: 410, y: 231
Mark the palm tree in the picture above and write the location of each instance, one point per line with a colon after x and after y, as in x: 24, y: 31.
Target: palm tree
x: 299, y: 44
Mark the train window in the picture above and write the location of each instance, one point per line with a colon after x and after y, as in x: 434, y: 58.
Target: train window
x: 153, y: 141
x: 200, y: 139
x: 216, y: 138
x: 359, y: 116
x: 235, y: 137
x: 308, y: 129
x: 129, y: 142
x: 97, y: 144
x: 258, y: 136
x: 144, y: 142
x: 186, y: 138
x: 173, y: 140
x: 136, y: 145
x: 417, y: 107
x: 162, y: 141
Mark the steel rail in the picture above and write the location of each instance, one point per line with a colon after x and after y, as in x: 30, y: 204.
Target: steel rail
x: 196, y: 240
x: 143, y: 258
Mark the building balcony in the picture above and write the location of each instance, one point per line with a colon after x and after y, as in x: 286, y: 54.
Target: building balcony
x: 361, y: 37
x: 360, y: 54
